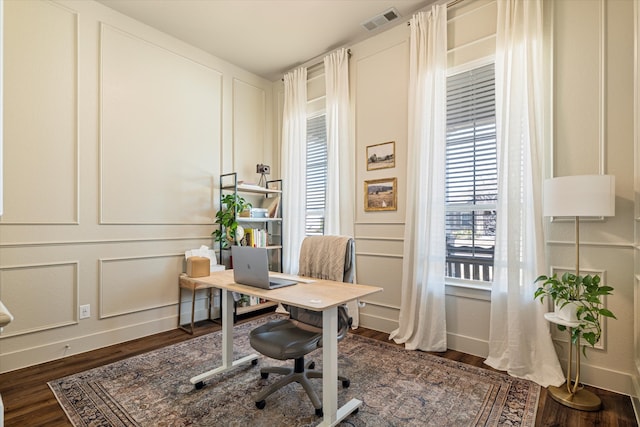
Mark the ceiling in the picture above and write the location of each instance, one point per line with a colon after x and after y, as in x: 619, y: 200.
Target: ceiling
x: 265, y: 37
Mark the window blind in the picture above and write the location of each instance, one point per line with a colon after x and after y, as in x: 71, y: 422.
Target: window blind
x: 316, y: 180
x: 471, y: 173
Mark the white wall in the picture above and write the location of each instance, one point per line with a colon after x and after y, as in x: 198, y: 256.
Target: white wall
x: 115, y: 135
x: 591, y: 131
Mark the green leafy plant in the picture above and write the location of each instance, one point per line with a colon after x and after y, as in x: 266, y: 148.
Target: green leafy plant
x: 226, y: 217
x: 586, y: 292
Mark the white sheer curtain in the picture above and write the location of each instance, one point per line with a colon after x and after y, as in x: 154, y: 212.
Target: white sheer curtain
x: 340, y: 157
x: 294, y: 166
x: 519, y: 338
x: 339, y: 209
x: 422, y: 311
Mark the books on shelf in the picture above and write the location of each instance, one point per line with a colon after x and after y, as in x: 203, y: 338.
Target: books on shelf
x: 255, y: 237
x: 272, y: 204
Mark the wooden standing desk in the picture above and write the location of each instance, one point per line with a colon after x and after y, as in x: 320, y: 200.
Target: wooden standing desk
x: 320, y: 295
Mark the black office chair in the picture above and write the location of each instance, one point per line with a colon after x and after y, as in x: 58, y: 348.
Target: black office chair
x: 301, y: 333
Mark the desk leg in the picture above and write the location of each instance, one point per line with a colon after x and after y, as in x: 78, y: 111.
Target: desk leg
x: 332, y: 414
x: 227, y: 344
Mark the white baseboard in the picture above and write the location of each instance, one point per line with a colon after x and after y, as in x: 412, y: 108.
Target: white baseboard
x: 619, y: 382
x: 606, y: 379
x: 377, y: 323
x: 52, y: 351
x: 467, y: 345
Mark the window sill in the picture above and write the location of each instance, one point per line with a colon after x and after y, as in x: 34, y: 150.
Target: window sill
x: 468, y: 289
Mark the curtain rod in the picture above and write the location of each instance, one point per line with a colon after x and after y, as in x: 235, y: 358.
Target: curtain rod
x: 449, y: 4
x: 315, y: 61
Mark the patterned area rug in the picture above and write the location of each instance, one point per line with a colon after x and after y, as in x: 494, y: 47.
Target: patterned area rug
x: 397, y: 387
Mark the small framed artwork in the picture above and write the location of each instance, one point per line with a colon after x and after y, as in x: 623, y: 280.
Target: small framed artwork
x: 381, y: 156
x: 380, y: 195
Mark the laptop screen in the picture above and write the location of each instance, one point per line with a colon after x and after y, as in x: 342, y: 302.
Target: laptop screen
x: 250, y: 266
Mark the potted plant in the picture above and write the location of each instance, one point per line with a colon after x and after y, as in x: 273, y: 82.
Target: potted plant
x: 584, y: 294
x: 226, y: 217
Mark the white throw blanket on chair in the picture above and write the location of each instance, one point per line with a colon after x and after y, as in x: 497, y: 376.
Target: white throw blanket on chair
x: 324, y: 257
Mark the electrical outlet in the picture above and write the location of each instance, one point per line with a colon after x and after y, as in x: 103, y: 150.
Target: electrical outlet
x: 85, y: 311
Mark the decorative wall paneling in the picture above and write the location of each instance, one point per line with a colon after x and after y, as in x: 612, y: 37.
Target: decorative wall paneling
x: 591, y: 123
x: 124, y: 187
x: 578, y: 82
x: 32, y: 288
x: 250, y: 145
x: 41, y: 149
x: 155, y: 87
x: 131, y: 284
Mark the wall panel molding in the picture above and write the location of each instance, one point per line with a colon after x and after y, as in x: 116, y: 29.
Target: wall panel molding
x: 29, y: 288
x: 138, y: 283
x: 379, y: 255
x: 249, y: 136
x: 610, y: 245
x: 379, y: 238
x: 602, y: 88
x: 600, y: 84
x: 45, y: 160
x: 160, y: 133
x: 102, y: 241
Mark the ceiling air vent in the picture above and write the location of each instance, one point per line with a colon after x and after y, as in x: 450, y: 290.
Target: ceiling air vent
x: 381, y: 19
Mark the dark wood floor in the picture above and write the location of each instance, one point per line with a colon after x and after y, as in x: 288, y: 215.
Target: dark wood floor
x: 28, y: 400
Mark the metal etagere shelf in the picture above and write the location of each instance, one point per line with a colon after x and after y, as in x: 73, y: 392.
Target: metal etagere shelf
x: 229, y: 184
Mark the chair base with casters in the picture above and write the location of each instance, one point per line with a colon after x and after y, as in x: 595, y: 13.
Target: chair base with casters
x: 301, y: 373
x: 286, y: 339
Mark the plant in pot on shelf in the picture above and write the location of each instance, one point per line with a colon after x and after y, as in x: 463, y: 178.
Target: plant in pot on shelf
x: 226, y: 217
x: 577, y: 299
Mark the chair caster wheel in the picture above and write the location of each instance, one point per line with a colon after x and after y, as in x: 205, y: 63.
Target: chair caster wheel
x: 319, y: 412
x: 312, y: 365
x: 264, y: 375
x: 254, y: 362
x: 261, y: 404
x: 199, y: 385
x: 346, y: 383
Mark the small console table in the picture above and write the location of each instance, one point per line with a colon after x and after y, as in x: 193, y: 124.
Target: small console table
x: 193, y: 286
x: 571, y: 394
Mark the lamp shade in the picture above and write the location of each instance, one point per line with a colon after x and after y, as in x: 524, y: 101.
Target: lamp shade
x: 580, y: 195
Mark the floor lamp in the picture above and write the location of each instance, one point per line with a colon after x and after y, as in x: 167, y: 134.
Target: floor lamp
x: 576, y: 196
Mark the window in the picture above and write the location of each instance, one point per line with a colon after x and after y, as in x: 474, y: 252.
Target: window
x: 316, y: 174
x: 471, y: 174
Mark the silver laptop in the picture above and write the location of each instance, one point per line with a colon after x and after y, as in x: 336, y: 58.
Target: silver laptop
x: 251, y: 267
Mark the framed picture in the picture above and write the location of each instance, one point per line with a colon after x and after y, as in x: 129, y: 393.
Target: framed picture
x: 381, y: 156
x: 380, y: 195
